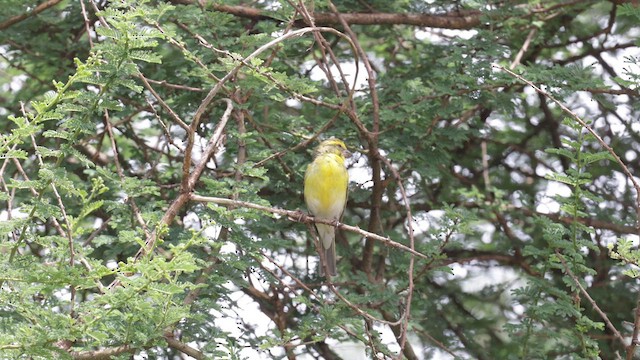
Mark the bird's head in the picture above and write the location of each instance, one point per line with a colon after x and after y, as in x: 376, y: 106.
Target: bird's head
x: 332, y: 146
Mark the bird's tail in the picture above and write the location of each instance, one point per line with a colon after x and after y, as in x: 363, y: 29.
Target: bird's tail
x: 327, y: 235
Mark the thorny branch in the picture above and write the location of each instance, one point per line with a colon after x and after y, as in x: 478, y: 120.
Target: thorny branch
x: 298, y: 216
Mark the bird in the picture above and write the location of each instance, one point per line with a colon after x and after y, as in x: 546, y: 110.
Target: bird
x: 326, y: 183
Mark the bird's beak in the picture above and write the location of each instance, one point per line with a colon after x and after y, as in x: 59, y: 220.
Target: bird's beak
x: 346, y: 153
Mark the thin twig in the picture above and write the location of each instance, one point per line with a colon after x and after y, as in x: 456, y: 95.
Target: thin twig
x: 360, y: 311
x: 631, y: 349
x: 87, y: 23
x: 96, y: 10
x: 333, y: 289
x: 524, y: 48
x: 164, y: 105
x: 114, y: 148
x: 164, y: 83
x: 65, y: 218
x: 241, y: 62
x: 314, y: 295
x: 298, y: 216
x: 593, y: 303
x: 192, y: 179
x: 405, y: 324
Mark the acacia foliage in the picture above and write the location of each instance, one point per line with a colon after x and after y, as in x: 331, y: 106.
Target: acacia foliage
x: 153, y: 156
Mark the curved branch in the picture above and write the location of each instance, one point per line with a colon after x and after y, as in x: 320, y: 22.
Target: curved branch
x: 38, y: 9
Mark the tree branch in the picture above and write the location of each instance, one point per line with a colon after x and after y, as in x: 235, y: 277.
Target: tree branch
x: 38, y: 9
x: 102, y: 354
x: 603, y: 315
x: 301, y: 217
x: 182, y: 347
x: 456, y: 20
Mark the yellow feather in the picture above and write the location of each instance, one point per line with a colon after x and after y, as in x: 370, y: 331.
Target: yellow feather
x: 325, y: 192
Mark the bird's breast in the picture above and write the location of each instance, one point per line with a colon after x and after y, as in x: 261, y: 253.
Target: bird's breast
x: 325, y: 187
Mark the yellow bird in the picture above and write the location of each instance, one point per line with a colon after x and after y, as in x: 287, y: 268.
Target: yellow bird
x: 325, y: 192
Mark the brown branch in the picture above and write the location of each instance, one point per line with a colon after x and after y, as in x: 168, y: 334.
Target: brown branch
x: 371, y: 137
x: 38, y: 9
x: 182, y: 347
x: 435, y: 341
x: 398, y: 331
x: 444, y: 21
x: 457, y: 20
x: 462, y: 257
x: 214, y: 91
x: 590, y: 222
x: 185, y: 190
x: 191, y: 180
x: 623, y: 91
x: 320, y: 299
x: 603, y: 315
x: 174, y: 86
x: 402, y: 340
x: 631, y: 349
x: 299, y: 216
x: 524, y: 48
x: 87, y: 23
x: 162, y: 103
x: 102, y: 354
x: 364, y: 314
x: 595, y: 52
